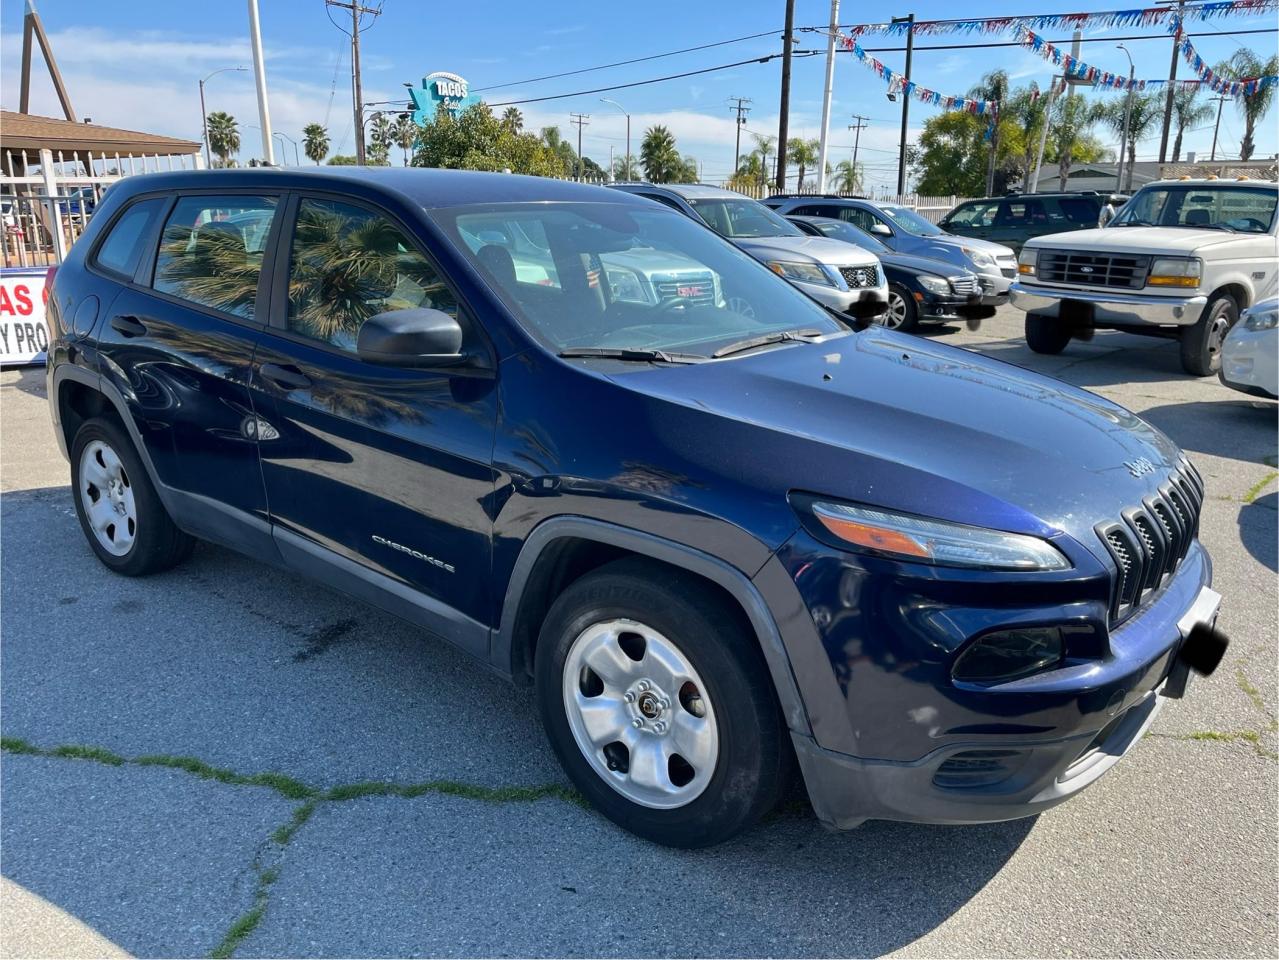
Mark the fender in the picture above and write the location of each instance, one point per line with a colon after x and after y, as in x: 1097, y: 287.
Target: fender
x: 506, y: 659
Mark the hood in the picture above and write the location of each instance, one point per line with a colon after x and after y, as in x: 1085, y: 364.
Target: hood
x: 976, y: 243
x: 905, y: 261
x: 900, y: 422
x: 807, y: 249
x: 1147, y: 240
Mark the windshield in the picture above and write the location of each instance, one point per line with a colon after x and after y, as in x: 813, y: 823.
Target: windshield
x: 910, y: 221
x: 743, y: 219
x: 842, y: 230
x: 598, y: 275
x: 1201, y: 206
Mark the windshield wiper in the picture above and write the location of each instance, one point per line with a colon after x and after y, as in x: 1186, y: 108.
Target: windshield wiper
x: 781, y: 336
x: 638, y: 354
x: 1132, y: 223
x: 1206, y: 226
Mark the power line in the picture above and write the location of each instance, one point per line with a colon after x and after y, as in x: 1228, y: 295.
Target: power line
x: 1018, y: 43
x: 623, y: 63
x: 1026, y: 16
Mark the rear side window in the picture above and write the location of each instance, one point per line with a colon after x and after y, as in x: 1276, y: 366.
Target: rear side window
x: 121, y: 249
x: 817, y: 210
x: 1079, y: 210
x: 348, y: 264
x: 211, y: 251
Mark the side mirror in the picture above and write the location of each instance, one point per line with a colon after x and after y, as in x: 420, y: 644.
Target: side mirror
x: 418, y: 337
x: 881, y: 229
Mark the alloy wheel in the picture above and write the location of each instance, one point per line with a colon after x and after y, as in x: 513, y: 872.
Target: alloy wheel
x: 896, y: 314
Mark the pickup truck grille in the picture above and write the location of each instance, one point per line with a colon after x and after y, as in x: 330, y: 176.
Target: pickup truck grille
x: 1093, y: 269
x: 860, y: 277
x: 698, y: 289
x: 1150, y: 541
x: 965, y: 286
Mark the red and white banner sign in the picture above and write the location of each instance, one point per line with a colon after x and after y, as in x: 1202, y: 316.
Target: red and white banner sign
x: 24, y: 337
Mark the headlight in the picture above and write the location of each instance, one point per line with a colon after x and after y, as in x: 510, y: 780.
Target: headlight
x: 935, y: 285
x: 1261, y: 319
x: 1027, y: 261
x: 806, y: 272
x: 980, y: 257
x: 907, y: 537
x: 626, y: 286
x: 1175, y: 272
x: 1010, y: 654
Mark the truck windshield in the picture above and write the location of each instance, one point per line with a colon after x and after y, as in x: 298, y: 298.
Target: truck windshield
x: 1202, y: 206
x: 743, y: 219
x: 625, y: 279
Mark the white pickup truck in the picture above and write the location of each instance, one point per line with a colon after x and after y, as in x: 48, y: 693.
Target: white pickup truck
x: 1182, y: 259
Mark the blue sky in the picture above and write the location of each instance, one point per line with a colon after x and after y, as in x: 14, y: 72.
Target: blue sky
x: 137, y: 65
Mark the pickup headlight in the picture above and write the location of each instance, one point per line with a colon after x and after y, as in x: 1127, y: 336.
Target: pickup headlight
x: 807, y: 273
x: 903, y: 536
x: 626, y: 286
x: 1027, y: 261
x: 1175, y: 272
x: 980, y: 257
x: 938, y: 286
x: 1261, y: 319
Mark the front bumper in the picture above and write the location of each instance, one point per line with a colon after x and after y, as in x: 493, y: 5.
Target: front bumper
x: 844, y: 300
x: 941, y: 309
x: 1110, y: 307
x: 1250, y: 361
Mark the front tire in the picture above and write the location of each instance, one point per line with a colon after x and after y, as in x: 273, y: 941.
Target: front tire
x: 1201, y: 343
x: 1046, y: 334
x: 117, y: 505
x: 902, y: 313
x: 656, y: 700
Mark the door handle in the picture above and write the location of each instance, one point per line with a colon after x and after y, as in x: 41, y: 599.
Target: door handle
x: 128, y: 326
x: 285, y: 376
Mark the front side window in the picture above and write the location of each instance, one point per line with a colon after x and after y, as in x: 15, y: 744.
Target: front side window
x: 627, y: 278
x: 348, y: 263
x: 978, y: 214
x: 211, y: 251
x: 1234, y: 209
x: 743, y: 219
x: 121, y: 250
x: 910, y: 221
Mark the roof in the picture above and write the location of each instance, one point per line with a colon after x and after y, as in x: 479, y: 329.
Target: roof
x: 30, y: 133
x: 697, y: 191
x: 426, y: 187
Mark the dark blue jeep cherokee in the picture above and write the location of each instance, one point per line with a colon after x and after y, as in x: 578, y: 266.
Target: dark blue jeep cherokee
x: 608, y: 453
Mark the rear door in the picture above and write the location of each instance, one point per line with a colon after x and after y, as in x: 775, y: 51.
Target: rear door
x: 379, y: 478
x: 177, y: 344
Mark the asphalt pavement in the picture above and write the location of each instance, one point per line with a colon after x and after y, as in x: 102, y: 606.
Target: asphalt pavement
x: 227, y: 759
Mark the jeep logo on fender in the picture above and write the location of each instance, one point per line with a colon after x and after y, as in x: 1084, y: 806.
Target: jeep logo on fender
x: 1139, y: 467
x: 417, y: 555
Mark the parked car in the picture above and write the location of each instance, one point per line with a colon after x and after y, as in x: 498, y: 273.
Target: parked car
x: 717, y: 537
x: 847, y: 280
x: 1014, y: 219
x: 1181, y: 259
x: 78, y: 201
x: 905, y: 231
x: 1250, y: 353
x: 920, y: 290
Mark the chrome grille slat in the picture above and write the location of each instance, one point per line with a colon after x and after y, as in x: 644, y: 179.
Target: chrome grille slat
x: 669, y: 289
x: 1093, y: 269
x: 966, y: 285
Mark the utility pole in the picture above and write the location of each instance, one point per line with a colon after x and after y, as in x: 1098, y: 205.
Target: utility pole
x: 259, y: 75
x: 357, y: 90
x: 742, y: 110
x: 783, y: 122
x: 909, y: 20
x: 1172, y: 80
x: 1221, y: 102
x: 1033, y: 186
x: 1123, y: 139
x: 826, y: 96
x: 580, y: 120
x: 857, y: 128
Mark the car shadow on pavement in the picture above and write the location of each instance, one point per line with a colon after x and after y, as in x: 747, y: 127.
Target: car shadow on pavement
x: 1257, y: 530
x: 1232, y: 429
x: 28, y: 379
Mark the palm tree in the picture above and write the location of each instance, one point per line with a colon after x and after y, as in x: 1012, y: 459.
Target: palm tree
x: 513, y: 119
x: 804, y: 154
x: 993, y: 86
x: 381, y: 136
x: 764, y: 146
x: 1026, y: 110
x: 559, y: 146
x: 626, y: 168
x: 662, y: 163
x: 224, y: 136
x: 1187, y: 113
x: 1245, y: 65
x: 315, y: 142
x: 1074, y: 117
x: 848, y: 178
x: 406, y: 134
x: 1147, y: 110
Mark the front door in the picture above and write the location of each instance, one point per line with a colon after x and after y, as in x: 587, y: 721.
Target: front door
x: 379, y: 478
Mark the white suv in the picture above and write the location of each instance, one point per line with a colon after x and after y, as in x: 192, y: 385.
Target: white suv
x: 1182, y: 258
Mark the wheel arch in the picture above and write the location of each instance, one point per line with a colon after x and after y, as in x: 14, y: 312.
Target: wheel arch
x: 1237, y: 291
x: 562, y: 549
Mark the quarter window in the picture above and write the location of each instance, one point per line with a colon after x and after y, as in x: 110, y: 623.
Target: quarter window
x: 347, y: 264
x: 121, y: 250
x: 211, y: 251
x: 1079, y: 210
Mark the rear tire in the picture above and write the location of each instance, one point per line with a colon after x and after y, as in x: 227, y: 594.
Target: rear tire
x: 902, y: 313
x: 119, y: 511
x: 1046, y: 334
x: 637, y: 666
x: 1201, y: 343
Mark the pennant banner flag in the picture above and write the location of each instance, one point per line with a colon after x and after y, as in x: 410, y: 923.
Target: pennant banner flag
x: 1244, y: 87
x: 899, y: 84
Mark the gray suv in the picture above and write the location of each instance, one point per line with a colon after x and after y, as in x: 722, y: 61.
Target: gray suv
x: 905, y: 231
x: 839, y: 275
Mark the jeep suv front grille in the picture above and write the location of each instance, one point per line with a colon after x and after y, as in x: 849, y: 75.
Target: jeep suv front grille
x: 858, y: 278
x: 1150, y: 541
x: 1093, y: 269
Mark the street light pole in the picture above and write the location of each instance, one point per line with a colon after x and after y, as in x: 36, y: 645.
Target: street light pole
x: 1221, y: 102
x: 204, y: 117
x: 628, y: 137
x: 297, y: 162
x: 1123, y: 140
